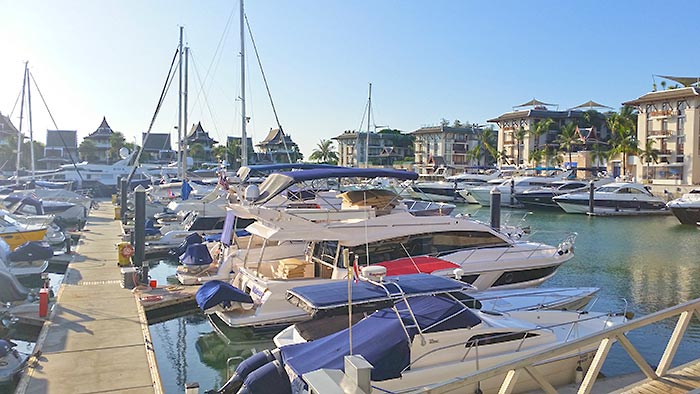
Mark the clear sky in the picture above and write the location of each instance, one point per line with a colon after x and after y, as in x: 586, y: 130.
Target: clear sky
x: 467, y: 60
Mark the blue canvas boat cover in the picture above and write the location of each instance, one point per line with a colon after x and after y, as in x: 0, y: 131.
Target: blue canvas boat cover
x: 32, y: 251
x: 380, y: 338
x: 191, y: 239
x: 197, y: 254
x: 328, y: 296
x: 5, y: 347
x: 216, y: 292
x: 185, y: 190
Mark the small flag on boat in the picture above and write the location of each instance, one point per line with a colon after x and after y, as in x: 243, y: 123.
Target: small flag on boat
x: 356, y: 269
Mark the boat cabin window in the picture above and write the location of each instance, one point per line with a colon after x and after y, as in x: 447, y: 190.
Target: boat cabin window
x: 606, y: 189
x: 493, y: 338
x: 434, y: 244
x: 325, y: 251
x: 572, y: 186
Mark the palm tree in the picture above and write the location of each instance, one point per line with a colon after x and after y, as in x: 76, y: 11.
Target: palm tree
x: 219, y: 152
x: 116, y: 142
x: 568, y: 137
x: 598, y: 154
x: 649, y: 154
x: 197, y: 151
x: 539, y: 128
x: 475, y: 153
x: 535, y: 156
x: 88, y: 150
x: 488, y: 143
x: 624, y: 132
x: 519, y: 136
x: 324, y: 153
x: 233, y: 152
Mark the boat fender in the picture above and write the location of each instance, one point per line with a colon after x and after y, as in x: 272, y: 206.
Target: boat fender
x: 244, y: 369
x: 271, y: 378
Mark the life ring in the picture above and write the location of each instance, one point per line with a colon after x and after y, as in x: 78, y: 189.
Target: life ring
x: 127, y: 251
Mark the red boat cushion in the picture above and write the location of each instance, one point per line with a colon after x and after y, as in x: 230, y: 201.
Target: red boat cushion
x: 415, y: 265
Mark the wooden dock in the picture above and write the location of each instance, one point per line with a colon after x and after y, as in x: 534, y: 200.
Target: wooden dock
x: 97, y: 337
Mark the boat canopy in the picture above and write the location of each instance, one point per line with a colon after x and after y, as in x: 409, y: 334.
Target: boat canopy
x: 245, y: 172
x: 276, y: 183
x: 419, y: 264
x: 380, y: 338
x: 215, y: 292
x: 331, y: 298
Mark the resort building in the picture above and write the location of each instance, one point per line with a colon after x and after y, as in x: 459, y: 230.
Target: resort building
x: 7, y: 130
x: 101, y: 139
x: 61, y: 148
x: 515, y: 131
x: 385, y: 148
x: 671, y: 119
x: 278, y: 147
x: 157, y: 148
x: 444, y: 147
x: 197, y: 138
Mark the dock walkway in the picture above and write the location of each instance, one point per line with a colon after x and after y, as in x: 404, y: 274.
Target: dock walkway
x: 97, y: 338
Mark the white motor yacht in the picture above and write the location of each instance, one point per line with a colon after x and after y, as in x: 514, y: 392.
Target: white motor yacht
x: 428, y: 339
x: 447, y: 190
x: 509, y: 187
x: 687, y: 208
x: 614, y: 198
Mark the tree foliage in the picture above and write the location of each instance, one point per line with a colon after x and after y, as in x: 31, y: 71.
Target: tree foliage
x: 324, y: 153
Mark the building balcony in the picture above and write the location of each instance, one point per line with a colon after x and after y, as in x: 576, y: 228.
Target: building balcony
x: 659, y: 133
x: 665, y: 152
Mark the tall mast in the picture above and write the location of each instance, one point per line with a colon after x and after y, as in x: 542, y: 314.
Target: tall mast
x: 21, y: 116
x: 369, y: 116
x: 31, y: 130
x: 184, y: 120
x: 244, y: 138
x: 179, y: 108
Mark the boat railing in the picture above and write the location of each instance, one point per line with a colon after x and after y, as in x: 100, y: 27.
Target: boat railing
x: 510, y: 371
x: 524, y: 334
x: 564, y: 246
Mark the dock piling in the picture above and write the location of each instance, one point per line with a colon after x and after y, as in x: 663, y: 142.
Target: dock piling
x: 139, y: 226
x: 591, y: 197
x: 123, y: 194
x: 496, y: 209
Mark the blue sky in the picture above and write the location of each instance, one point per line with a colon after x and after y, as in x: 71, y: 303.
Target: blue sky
x: 467, y: 60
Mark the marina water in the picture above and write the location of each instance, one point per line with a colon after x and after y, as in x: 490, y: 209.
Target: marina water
x: 643, y: 263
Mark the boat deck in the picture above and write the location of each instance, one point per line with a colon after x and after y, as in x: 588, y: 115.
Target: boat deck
x: 97, y: 338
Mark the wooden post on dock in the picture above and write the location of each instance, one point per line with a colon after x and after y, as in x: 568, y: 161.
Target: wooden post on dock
x: 123, y: 193
x: 591, y: 197
x: 139, y: 226
x: 512, y: 192
x: 496, y: 209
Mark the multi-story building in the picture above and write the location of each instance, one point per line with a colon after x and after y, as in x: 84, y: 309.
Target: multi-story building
x: 670, y: 118
x: 278, y: 147
x: 385, y: 148
x: 7, y: 130
x: 519, y: 150
x: 101, y: 139
x: 61, y: 148
x: 444, y: 146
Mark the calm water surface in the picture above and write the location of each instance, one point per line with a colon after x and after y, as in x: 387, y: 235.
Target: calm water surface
x: 651, y: 262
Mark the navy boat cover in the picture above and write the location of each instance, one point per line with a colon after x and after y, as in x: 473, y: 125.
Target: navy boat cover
x: 314, y: 298
x: 216, y: 292
x: 380, y: 338
x: 191, y: 239
x: 32, y: 251
x: 197, y: 254
x: 5, y: 347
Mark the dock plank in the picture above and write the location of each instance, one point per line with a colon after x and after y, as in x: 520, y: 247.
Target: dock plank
x: 96, y: 337
x: 680, y: 380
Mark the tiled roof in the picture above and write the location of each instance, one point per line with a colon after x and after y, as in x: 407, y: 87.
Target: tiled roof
x: 669, y: 94
x: 197, y: 133
x: 443, y: 129
x: 156, y: 142
x: 6, y: 126
x: 62, y: 138
x: 537, y: 114
x: 103, y: 130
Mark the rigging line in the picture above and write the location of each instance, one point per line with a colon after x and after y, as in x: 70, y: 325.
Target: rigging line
x: 60, y: 135
x: 267, y: 86
x: 16, y: 100
x: 166, y: 87
x: 206, y: 100
x: 219, y: 45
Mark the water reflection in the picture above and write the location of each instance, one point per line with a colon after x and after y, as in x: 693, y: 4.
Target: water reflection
x: 644, y: 264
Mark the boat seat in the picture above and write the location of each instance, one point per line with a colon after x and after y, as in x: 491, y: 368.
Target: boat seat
x: 293, y: 268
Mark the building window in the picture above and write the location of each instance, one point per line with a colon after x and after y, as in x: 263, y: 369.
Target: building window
x: 664, y: 124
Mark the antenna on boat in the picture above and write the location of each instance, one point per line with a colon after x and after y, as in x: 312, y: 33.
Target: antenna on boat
x: 369, y: 116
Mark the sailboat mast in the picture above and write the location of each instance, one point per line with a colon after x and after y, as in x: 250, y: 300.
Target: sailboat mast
x: 184, y: 121
x: 244, y: 138
x: 31, y: 130
x: 179, y: 107
x: 369, y: 116
x: 21, y: 116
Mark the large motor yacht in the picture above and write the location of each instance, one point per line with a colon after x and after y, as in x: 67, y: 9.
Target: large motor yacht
x: 687, y: 208
x: 613, y: 198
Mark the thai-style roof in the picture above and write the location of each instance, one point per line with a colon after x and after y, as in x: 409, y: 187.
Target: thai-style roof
x: 62, y: 138
x: 6, y: 126
x: 274, y: 136
x: 103, y: 130
x: 537, y: 114
x: 156, y: 142
x: 685, y: 81
x: 197, y: 133
x: 669, y: 94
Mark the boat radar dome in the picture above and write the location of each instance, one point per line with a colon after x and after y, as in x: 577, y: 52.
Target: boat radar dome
x: 251, y: 193
x: 374, y: 272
